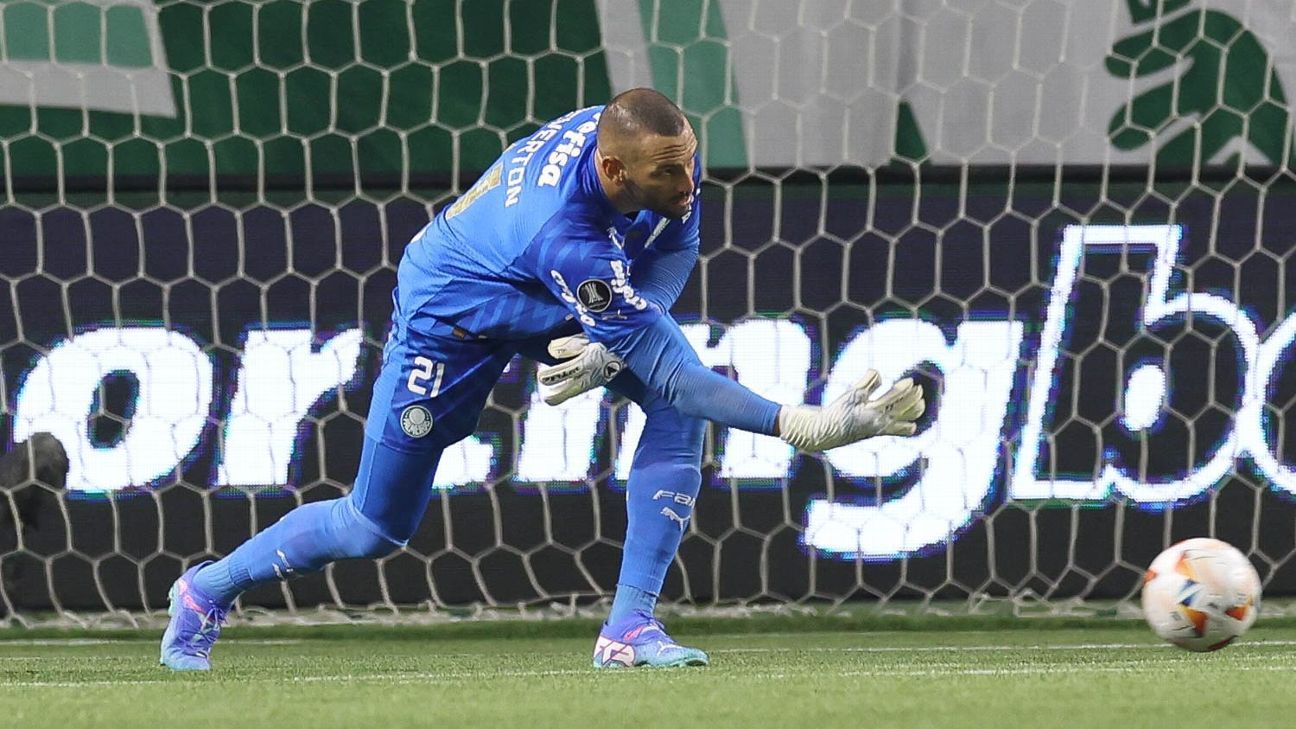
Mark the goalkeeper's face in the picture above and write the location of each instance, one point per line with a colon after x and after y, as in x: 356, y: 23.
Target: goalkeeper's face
x: 658, y: 174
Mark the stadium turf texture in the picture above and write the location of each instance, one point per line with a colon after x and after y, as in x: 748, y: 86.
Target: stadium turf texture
x: 1013, y: 674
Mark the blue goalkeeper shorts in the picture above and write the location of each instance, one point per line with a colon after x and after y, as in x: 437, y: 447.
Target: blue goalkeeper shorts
x: 429, y: 395
x: 433, y: 386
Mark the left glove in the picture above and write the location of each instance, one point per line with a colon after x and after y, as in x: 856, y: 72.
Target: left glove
x: 853, y: 416
x: 586, y: 367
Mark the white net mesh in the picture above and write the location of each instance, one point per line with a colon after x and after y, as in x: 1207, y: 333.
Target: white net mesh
x: 1070, y: 219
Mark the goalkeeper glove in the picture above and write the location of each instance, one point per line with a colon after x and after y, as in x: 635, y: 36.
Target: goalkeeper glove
x: 587, y: 366
x: 853, y: 416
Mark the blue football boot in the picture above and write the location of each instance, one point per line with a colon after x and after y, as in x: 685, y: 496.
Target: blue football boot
x: 642, y: 641
x: 195, y: 625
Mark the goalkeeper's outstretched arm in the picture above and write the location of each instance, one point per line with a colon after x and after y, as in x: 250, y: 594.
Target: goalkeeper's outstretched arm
x: 660, y: 356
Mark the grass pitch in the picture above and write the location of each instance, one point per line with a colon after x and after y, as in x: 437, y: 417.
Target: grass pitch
x: 1105, y: 675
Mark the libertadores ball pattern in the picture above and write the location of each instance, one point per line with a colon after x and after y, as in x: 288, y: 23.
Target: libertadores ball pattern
x: 1201, y: 594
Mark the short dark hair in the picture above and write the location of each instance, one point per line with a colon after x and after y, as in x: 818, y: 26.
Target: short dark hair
x: 640, y: 111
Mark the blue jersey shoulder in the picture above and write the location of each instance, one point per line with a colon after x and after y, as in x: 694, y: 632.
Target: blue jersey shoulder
x: 534, y: 179
x: 533, y: 243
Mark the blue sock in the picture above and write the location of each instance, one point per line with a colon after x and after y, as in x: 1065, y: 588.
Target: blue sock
x: 304, y: 540
x: 391, y: 492
x: 663, y: 485
x: 631, y: 602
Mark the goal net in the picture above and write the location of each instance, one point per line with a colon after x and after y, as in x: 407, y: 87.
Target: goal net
x: 1069, y: 220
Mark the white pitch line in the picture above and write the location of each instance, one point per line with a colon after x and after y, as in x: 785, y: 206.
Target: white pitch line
x: 977, y: 648
x: 64, y: 658
x: 66, y: 641
x: 1036, y: 671
x: 73, y: 642
x: 1248, y: 663
x: 79, y: 684
x: 345, y: 678
x: 940, y: 671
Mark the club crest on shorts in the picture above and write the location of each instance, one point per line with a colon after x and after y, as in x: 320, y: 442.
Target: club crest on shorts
x: 416, y: 421
x: 595, y: 294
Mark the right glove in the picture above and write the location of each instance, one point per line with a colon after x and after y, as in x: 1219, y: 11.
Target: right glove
x: 853, y: 417
x: 586, y: 367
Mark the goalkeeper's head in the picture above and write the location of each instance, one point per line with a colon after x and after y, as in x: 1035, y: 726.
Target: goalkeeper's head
x: 645, y: 154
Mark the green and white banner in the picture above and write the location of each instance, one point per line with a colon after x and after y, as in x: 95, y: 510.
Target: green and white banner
x: 102, y: 54
x: 410, y: 87
x: 822, y: 83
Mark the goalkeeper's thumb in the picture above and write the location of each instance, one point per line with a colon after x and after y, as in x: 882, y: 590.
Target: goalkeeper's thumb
x: 592, y: 366
x: 853, y: 416
x: 568, y: 347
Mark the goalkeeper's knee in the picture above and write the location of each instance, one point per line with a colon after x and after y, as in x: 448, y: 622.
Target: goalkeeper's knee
x: 357, y: 536
x: 671, y: 435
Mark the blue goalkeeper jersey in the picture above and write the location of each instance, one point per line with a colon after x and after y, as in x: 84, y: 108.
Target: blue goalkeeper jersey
x: 535, y: 242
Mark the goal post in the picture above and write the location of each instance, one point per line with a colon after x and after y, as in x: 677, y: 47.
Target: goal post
x: 1070, y: 221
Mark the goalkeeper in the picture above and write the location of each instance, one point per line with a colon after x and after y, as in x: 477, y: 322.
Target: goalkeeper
x: 541, y: 248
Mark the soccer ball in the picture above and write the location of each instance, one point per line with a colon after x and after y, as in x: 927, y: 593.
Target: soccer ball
x: 1201, y: 594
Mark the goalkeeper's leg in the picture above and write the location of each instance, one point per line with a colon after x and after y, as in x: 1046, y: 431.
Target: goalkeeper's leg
x: 380, y: 514
x: 663, y: 485
x: 410, y: 423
